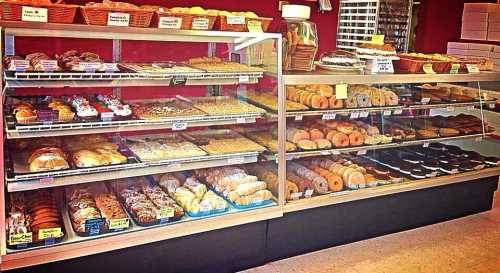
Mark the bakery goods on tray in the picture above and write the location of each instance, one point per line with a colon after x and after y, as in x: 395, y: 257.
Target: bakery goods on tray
x: 159, y: 68
x: 236, y: 185
x: 93, y: 151
x: 37, y: 61
x: 267, y: 172
x: 214, y: 64
x: 269, y: 100
x: 42, y: 109
x: 83, y: 108
x: 33, y: 212
x: 73, y: 60
x: 39, y: 155
x: 169, y: 108
x: 191, y: 194
x: 162, y: 147
x: 340, y: 59
x: 370, y: 50
x: 265, y: 135
x: 314, y: 181
x: 224, y: 106
x: 218, y: 142
x: 25, y: 113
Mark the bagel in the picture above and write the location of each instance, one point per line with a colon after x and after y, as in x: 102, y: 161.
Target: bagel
x: 345, y: 127
x: 391, y: 99
x: 340, y: 140
x: 335, y: 103
x: 351, y: 102
x: 356, y: 138
x: 319, y: 102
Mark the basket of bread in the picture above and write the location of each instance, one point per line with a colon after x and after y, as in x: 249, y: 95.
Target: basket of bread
x: 21, y: 10
x: 239, y: 21
x: 120, y: 13
x: 194, y: 18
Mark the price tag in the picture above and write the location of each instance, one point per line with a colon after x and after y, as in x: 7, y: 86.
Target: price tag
x: 94, y: 226
x: 341, y: 91
x: 364, y: 114
x: 118, y: 19
x: 450, y: 109
x: 236, y: 160
x: 426, y: 100
x: 472, y: 68
x: 221, y: 206
x: 425, y: 145
x: 244, y: 79
x: 20, y: 65
x: 21, y: 238
x: 308, y: 193
x: 110, y: 67
x: 354, y: 115
x: 298, y: 117
x: 165, y: 213
x: 383, y: 65
x: 241, y: 120
x: 46, y: 180
x: 88, y: 67
x: 107, y: 116
x: 254, y: 26
x: 334, y: 152
x: 325, y: 152
x: 361, y: 152
x: 387, y: 112
x: 200, y: 23
x: 428, y: 69
x: 179, y: 126
x: 49, y: 233
x: 333, y: 194
x: 378, y: 39
x: 491, y: 105
x: 296, y: 195
x: 470, y: 108
x: 174, y: 166
x: 329, y: 116
x: 119, y: 223
x: 235, y: 20
x: 49, y: 65
x: 177, y: 81
x: 454, y: 68
x: 31, y: 14
x: 258, y: 201
x: 398, y: 112
x: 170, y: 22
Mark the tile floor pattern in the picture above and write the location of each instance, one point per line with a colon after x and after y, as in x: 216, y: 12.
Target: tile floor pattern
x: 466, y: 245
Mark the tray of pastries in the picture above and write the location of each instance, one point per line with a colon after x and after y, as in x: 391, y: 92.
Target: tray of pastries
x: 159, y: 68
x: 217, y: 65
x: 146, y: 202
x: 38, y: 111
x: 222, y: 105
x: 164, y: 109
x: 265, y: 135
x: 76, y: 61
x: 33, y: 219
x: 93, y: 209
x: 240, y: 189
x: 224, y: 141
x: 34, y: 62
x: 269, y: 100
x: 196, y: 199
x: 150, y: 148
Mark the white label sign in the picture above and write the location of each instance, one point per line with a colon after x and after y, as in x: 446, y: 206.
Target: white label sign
x: 361, y: 152
x: 31, y: 14
x: 236, y: 160
x: 426, y: 100
x: 329, y: 116
x: 200, y: 24
x: 295, y: 195
x: 364, y: 114
x: 383, y: 65
x: 235, y: 20
x: 308, y: 193
x: 398, y: 112
x: 241, y: 120
x: 179, y: 126
x: 354, y: 115
x: 118, y: 19
x: 387, y: 112
x: 472, y: 68
x: 170, y: 22
x: 20, y: 65
x: 298, y: 117
x: 88, y: 67
x: 49, y: 65
x: 107, y: 116
x: 110, y: 67
x: 244, y: 79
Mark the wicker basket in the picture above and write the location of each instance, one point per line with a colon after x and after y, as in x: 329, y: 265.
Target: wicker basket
x: 415, y: 65
x: 99, y: 16
x: 187, y: 19
x: 56, y: 13
x: 224, y: 26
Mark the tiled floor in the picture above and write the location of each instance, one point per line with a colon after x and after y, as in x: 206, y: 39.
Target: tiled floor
x: 470, y: 244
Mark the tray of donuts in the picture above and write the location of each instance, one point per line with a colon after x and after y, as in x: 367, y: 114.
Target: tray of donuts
x: 94, y: 209
x: 325, y: 97
x: 34, y: 219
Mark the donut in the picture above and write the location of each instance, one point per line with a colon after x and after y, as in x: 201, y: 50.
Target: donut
x: 316, y: 134
x: 332, y: 124
x: 346, y: 172
x: 345, y: 127
x: 356, y: 138
x: 319, y: 102
x: 307, y: 144
x: 323, y: 143
x: 334, y: 103
x: 370, y: 180
x: 372, y: 130
x: 291, y: 188
x: 324, y: 90
x: 351, y: 102
x: 340, y: 140
x: 303, y: 97
x: 377, y: 98
x: 335, y: 182
x: 309, y: 98
x: 363, y: 100
x: 320, y: 184
x: 391, y: 98
x: 356, y: 180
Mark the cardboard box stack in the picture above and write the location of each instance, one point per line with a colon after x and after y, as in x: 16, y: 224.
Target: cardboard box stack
x: 481, y: 21
x: 475, y: 50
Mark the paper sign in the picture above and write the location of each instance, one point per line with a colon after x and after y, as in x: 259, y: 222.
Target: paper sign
x: 426, y: 100
x: 387, y: 112
x: 236, y: 160
x: 244, y: 79
x: 450, y: 109
x: 49, y: 233
x: 383, y: 65
x: 107, y: 116
x: 170, y: 22
x: 354, y: 115
x: 49, y: 65
x: 179, y: 126
x: 235, y: 20
x: 308, y: 193
x: 21, y: 238
x: 364, y: 114
x: 165, y: 213
x: 241, y: 120
x: 254, y: 26
x: 118, y: 19
x: 200, y: 24
x: 398, y: 112
x: 298, y: 117
x: 46, y: 180
x: 329, y: 116
x: 335, y: 152
x: 454, y: 68
x: 20, y: 65
x: 428, y: 69
x: 325, y: 152
x: 31, y: 14
x: 341, y: 91
x: 473, y: 68
x: 295, y: 195
x: 426, y: 144
x: 361, y: 152
x: 110, y: 67
x: 88, y: 66
x: 119, y: 223
x: 378, y: 39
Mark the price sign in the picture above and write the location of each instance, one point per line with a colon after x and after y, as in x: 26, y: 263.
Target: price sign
x: 236, y: 160
x: 49, y: 233
x: 308, y: 193
x: 254, y: 26
x: 426, y: 100
x: 21, y: 238
x: 200, y: 23
x: 107, y: 116
x: 354, y: 115
x: 177, y: 81
x: 364, y: 114
x: 387, y: 112
x: 46, y: 180
x: 179, y: 126
x: 165, y: 213
x: 118, y: 19
x: 20, y: 65
x: 49, y: 65
x: 244, y: 79
x: 89, y: 67
x: 454, y: 68
x: 335, y: 152
x: 329, y: 116
x: 31, y: 14
x: 491, y: 105
x: 378, y: 39
x: 361, y: 152
x: 383, y: 65
x: 298, y: 117
x: 296, y: 195
x: 470, y: 108
x: 241, y: 120
x: 110, y: 67
x: 235, y: 20
x: 428, y: 69
x: 426, y: 144
x: 170, y: 22
x: 291, y: 157
x: 94, y: 226
x: 324, y: 152
x: 398, y: 112
x: 472, y: 68
x: 119, y: 223
x: 450, y: 109
x: 341, y: 91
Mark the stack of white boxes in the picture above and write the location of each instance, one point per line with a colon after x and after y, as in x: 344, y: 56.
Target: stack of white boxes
x: 475, y: 50
x: 481, y: 21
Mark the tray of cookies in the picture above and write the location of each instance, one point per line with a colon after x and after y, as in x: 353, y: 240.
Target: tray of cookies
x: 192, y: 195
x: 160, y: 68
x: 222, y: 141
x: 164, y: 109
x: 217, y: 65
x: 223, y: 105
x: 34, y: 219
x: 93, y: 210
x: 146, y: 202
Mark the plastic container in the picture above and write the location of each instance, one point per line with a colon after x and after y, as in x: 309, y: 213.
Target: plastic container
x: 300, y: 38
x: 56, y: 13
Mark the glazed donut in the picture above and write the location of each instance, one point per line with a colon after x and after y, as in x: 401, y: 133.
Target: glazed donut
x: 351, y: 102
x: 342, y: 170
x: 356, y: 138
x: 316, y: 134
x: 340, y: 140
x: 377, y: 98
x: 363, y: 100
x: 334, y: 103
x: 391, y: 98
x: 309, y: 98
x: 319, y: 102
x: 356, y: 180
x: 332, y: 124
x: 335, y: 182
x: 345, y: 127
x: 291, y: 188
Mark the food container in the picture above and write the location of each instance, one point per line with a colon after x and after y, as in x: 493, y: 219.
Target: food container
x: 416, y: 65
x: 185, y: 21
x: 56, y: 13
x: 240, y: 23
x: 99, y: 15
x: 300, y: 38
